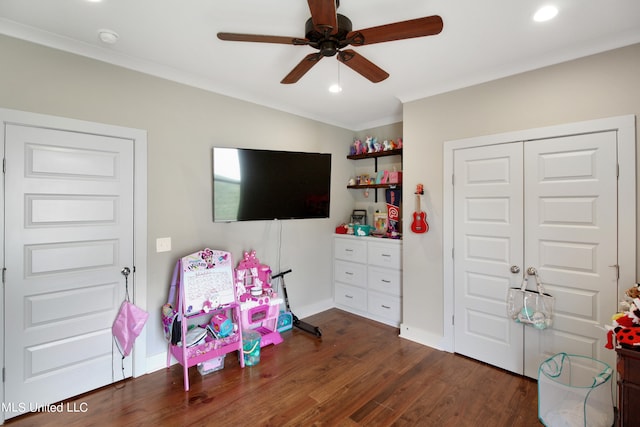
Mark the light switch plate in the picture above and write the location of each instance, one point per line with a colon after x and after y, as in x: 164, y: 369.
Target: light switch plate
x: 163, y: 244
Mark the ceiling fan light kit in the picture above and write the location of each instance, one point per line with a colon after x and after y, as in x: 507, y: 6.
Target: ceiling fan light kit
x: 330, y: 33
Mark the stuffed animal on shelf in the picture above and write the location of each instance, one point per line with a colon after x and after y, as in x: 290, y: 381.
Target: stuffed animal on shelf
x: 212, y: 303
x: 628, y: 337
x: 630, y: 294
x: 356, y: 147
x: 370, y: 144
x: 625, y: 327
x: 633, y: 292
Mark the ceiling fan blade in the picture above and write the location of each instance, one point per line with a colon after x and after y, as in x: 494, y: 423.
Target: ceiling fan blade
x: 362, y: 65
x: 324, y: 15
x: 302, y: 68
x: 235, y: 37
x: 420, y: 27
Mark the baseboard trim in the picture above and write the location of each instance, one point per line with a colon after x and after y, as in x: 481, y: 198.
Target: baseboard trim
x: 421, y: 336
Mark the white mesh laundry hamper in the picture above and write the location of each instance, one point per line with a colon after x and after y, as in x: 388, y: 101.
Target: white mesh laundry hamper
x: 575, y: 391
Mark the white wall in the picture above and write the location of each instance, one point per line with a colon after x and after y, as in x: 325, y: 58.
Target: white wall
x: 183, y: 124
x: 594, y: 87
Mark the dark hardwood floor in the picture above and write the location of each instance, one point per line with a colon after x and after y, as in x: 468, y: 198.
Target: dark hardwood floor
x: 359, y: 373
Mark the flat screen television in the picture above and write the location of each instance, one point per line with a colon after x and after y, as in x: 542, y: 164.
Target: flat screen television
x: 253, y: 185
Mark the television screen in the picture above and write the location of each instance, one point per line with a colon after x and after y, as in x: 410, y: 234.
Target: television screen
x: 251, y: 184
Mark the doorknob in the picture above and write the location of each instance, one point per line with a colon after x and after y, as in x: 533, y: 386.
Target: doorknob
x: 531, y: 271
x: 515, y: 269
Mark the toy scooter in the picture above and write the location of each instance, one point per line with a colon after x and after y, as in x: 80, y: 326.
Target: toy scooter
x: 296, y: 322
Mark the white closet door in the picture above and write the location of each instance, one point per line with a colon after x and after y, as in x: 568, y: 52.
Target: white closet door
x: 548, y: 204
x: 488, y: 242
x: 570, y: 238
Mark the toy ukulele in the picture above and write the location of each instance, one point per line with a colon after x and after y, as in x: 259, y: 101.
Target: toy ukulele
x: 419, y: 224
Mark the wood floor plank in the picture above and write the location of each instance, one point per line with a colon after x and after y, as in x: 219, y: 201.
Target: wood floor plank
x: 359, y: 374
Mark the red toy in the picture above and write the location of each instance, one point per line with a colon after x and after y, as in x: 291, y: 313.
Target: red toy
x: 625, y: 327
x: 419, y: 224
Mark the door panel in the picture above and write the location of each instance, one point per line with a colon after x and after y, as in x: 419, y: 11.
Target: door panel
x: 488, y: 241
x: 570, y: 238
x: 562, y: 213
x: 68, y: 232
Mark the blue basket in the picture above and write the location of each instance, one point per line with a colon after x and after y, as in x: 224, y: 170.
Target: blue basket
x: 575, y: 391
x: 285, y: 321
x: 251, y: 347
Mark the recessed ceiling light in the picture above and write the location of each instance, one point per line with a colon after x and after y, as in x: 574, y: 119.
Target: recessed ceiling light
x: 545, y: 13
x: 108, y: 36
x: 335, y: 88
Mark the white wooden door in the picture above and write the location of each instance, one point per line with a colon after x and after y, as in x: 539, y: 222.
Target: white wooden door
x: 488, y: 241
x: 68, y: 234
x: 571, y: 239
x: 569, y: 232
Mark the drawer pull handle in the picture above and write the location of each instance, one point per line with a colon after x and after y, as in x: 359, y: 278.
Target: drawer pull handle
x: 386, y: 255
x: 348, y: 296
x: 385, y: 306
x: 348, y: 250
x: 386, y: 281
x: 348, y: 273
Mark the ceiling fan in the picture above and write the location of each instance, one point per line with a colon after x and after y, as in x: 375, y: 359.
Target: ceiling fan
x: 330, y: 33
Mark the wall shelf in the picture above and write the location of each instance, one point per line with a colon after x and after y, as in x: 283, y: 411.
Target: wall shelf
x: 375, y: 155
x: 395, y: 152
x: 374, y: 186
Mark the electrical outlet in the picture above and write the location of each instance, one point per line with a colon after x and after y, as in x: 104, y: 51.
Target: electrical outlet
x: 163, y: 244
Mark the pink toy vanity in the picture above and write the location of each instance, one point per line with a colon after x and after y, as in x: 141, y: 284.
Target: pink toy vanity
x: 259, y: 303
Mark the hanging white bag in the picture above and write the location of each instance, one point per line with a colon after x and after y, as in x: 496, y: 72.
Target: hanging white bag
x: 531, y: 308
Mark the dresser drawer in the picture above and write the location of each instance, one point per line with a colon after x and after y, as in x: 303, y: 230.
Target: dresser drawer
x: 629, y: 366
x: 384, y: 306
x: 350, y: 273
x: 385, y: 255
x: 385, y: 280
x: 351, y: 250
x: 351, y: 296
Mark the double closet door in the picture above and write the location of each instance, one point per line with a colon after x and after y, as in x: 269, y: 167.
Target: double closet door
x: 550, y: 204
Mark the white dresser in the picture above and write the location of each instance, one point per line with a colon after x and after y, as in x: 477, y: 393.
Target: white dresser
x: 367, y: 277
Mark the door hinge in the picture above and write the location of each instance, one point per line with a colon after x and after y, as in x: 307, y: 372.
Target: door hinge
x: 618, y: 170
x: 453, y: 320
x: 453, y: 179
x: 4, y: 165
x: 453, y: 253
x: 2, y: 374
x: 4, y: 270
